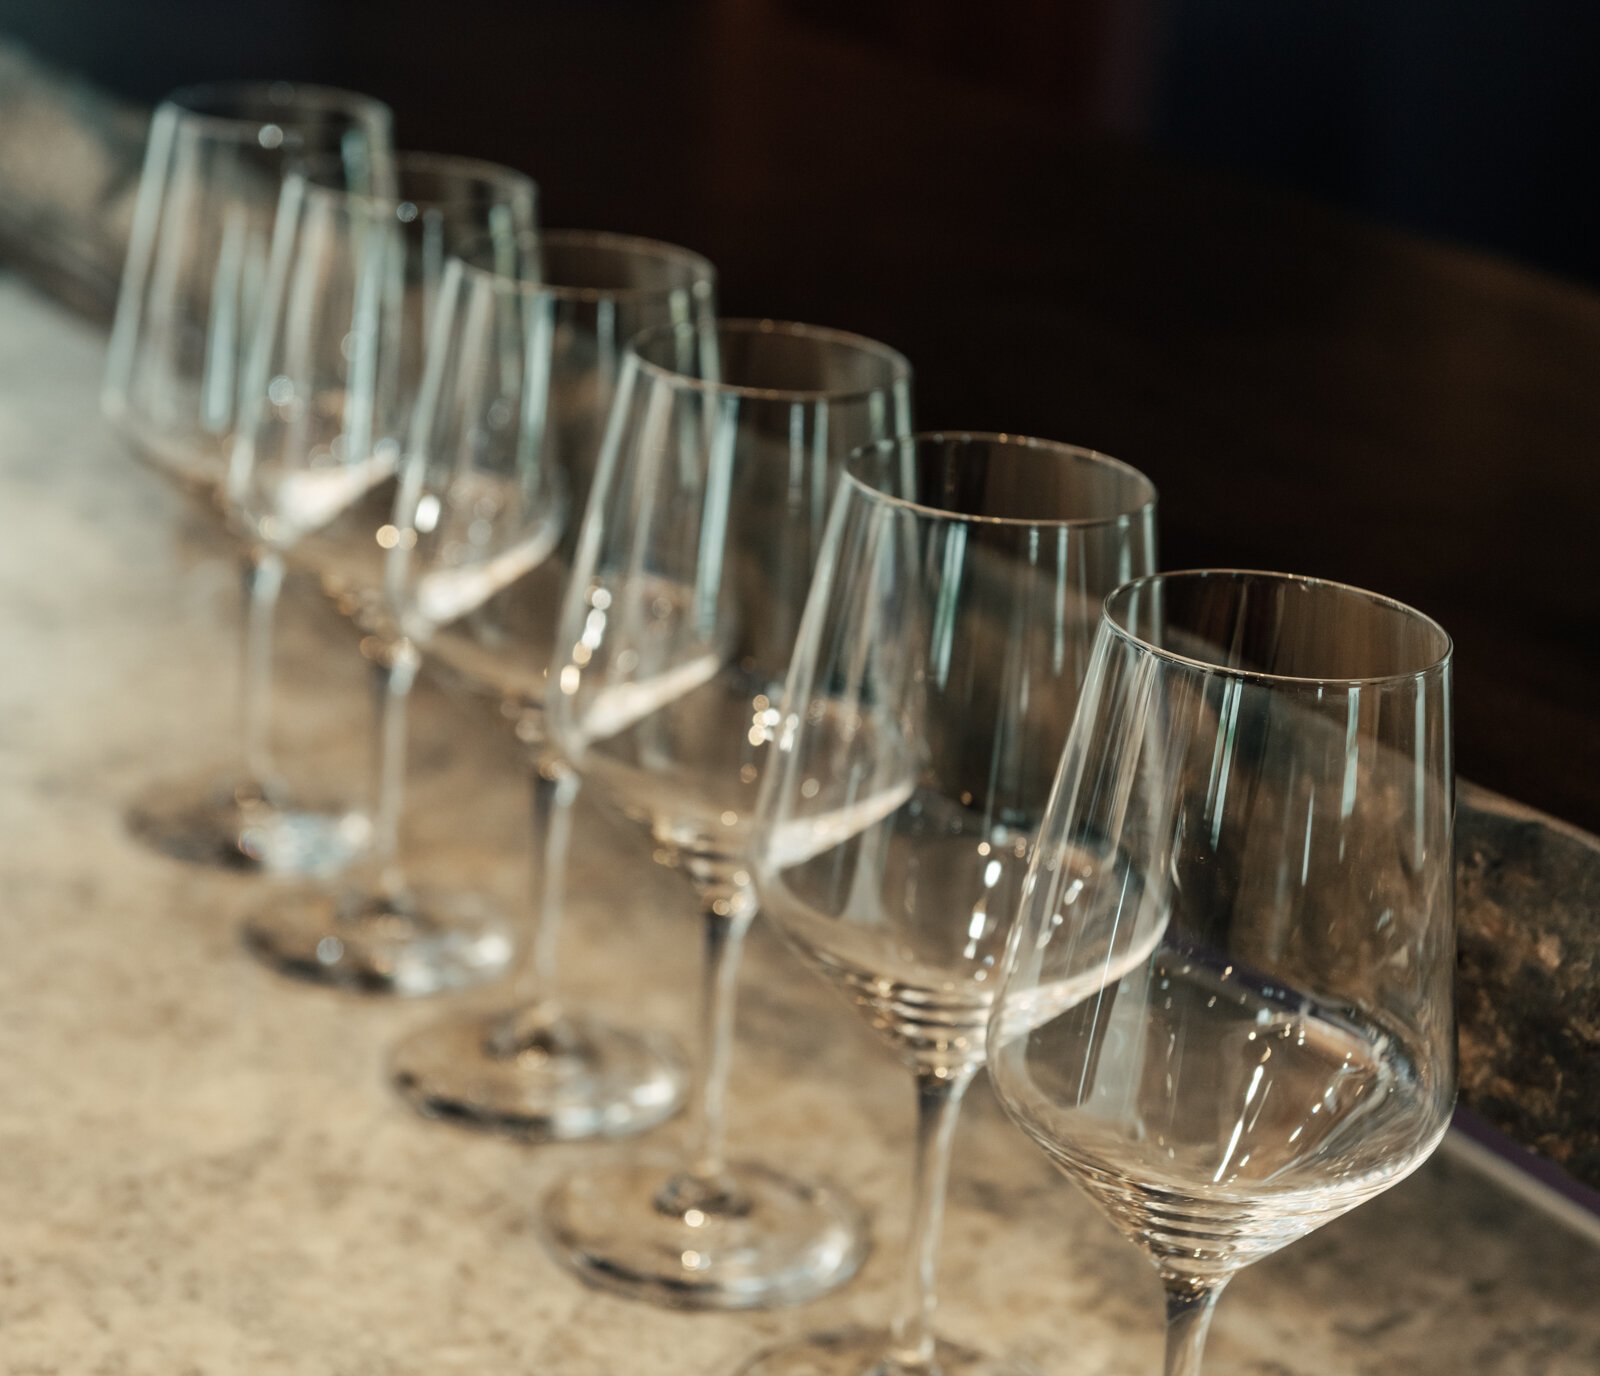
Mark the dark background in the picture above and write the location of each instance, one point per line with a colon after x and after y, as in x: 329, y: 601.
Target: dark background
x: 1476, y: 121
x: 1318, y: 266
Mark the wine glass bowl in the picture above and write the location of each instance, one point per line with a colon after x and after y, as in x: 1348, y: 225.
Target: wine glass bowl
x: 197, y: 254
x: 932, y: 684
x: 673, y: 670
x: 439, y: 207
x: 965, y: 591
x: 594, y: 292
x: 1227, y: 1009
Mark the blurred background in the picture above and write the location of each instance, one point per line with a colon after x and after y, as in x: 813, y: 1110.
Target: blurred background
x: 1322, y: 269
x: 1472, y: 121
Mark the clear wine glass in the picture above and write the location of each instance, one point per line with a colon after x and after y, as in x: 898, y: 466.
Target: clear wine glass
x: 191, y: 292
x: 358, y: 284
x: 1227, y: 1007
x: 525, y: 1062
x: 691, y: 571
x: 933, y: 683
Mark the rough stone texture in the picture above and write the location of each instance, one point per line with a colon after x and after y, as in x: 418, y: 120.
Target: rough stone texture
x: 202, y: 1170
x: 1528, y: 913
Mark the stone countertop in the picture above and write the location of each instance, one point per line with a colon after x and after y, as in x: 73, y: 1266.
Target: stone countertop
x: 204, y: 1171
x: 1528, y: 978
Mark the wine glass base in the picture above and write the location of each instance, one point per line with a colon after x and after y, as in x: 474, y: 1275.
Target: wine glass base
x: 421, y: 942
x: 759, y: 1240
x: 246, y: 828
x: 567, y: 1078
x: 865, y: 1352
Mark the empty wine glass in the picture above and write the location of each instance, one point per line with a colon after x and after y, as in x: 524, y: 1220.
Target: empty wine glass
x: 933, y: 683
x: 355, y: 289
x: 1227, y: 1007
x: 191, y: 293
x: 526, y: 1062
x: 691, y: 571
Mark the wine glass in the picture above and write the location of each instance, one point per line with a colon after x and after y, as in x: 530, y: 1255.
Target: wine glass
x: 191, y: 292
x: 932, y: 687
x: 526, y: 1063
x: 1227, y: 1007
x: 698, y: 544
x: 355, y: 288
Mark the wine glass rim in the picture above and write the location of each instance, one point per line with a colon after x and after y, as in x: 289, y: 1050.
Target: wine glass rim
x: 478, y: 169
x: 1077, y: 452
x: 703, y: 274
x: 187, y: 104
x: 1434, y: 666
x: 756, y: 325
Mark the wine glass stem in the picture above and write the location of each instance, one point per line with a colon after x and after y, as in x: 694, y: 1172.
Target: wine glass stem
x: 263, y: 580
x: 939, y: 1097
x: 554, y: 790
x: 1190, y: 1304
x: 396, y: 673
x: 726, y: 924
